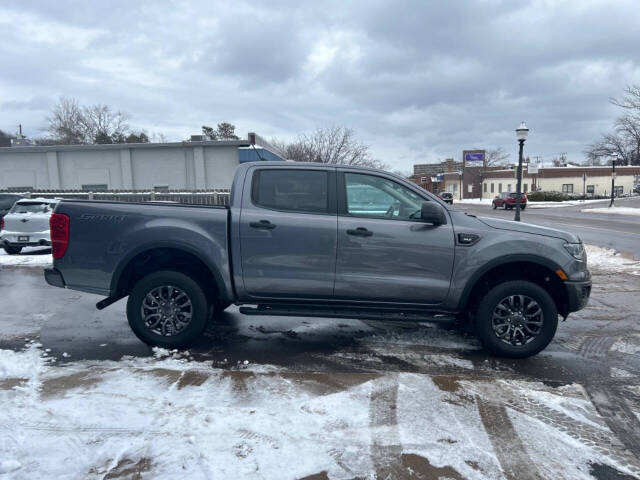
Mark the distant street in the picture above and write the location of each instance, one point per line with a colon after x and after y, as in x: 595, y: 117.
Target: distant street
x: 620, y: 232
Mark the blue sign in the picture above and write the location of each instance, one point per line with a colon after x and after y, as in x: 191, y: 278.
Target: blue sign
x: 474, y: 159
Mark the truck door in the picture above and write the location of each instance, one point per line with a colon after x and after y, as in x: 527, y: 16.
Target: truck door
x: 288, y: 225
x: 385, y: 252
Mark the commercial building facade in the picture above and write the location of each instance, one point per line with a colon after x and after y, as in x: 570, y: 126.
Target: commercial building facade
x: 593, y: 181
x: 199, y: 165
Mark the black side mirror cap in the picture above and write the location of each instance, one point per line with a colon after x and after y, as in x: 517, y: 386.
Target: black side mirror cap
x: 432, y: 213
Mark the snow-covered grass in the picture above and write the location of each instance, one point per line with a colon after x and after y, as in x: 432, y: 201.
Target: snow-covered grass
x: 606, y: 260
x: 167, y: 417
x: 29, y: 257
x: 614, y: 210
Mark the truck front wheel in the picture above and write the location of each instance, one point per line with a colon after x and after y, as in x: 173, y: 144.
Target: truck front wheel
x: 167, y: 309
x: 516, y: 319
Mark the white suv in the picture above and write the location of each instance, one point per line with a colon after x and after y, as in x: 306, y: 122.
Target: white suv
x: 26, y: 224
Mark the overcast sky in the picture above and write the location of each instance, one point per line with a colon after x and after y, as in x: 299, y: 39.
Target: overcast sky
x: 418, y: 81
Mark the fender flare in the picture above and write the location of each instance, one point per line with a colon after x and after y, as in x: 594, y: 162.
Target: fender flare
x: 496, y: 262
x: 148, y: 247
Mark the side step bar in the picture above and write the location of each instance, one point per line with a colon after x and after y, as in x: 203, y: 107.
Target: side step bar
x: 346, y: 312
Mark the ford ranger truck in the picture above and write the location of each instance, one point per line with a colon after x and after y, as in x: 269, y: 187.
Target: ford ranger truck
x: 320, y: 240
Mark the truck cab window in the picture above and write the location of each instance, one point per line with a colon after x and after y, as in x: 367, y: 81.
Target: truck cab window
x: 373, y: 196
x: 291, y: 190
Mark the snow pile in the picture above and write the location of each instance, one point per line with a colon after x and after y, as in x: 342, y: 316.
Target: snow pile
x: 614, y: 210
x: 30, y: 257
x: 606, y: 260
x: 25, y: 364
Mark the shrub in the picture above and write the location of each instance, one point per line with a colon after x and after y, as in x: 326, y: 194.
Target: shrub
x: 542, y: 196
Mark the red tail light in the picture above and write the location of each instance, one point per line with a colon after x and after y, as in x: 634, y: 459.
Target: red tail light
x: 59, y: 225
x: 2, y: 223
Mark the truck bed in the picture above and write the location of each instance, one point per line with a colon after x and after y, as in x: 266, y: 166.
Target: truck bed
x: 105, y: 237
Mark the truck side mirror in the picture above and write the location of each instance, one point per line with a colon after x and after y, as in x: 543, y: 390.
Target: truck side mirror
x: 432, y: 213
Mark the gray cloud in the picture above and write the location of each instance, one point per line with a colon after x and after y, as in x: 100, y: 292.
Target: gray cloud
x: 418, y: 81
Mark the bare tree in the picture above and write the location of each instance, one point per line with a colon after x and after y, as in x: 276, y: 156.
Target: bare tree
x: 630, y: 100
x: 333, y: 145
x: 495, y: 157
x: 103, y: 125
x: 624, y: 142
x: 70, y: 123
x: 66, y: 123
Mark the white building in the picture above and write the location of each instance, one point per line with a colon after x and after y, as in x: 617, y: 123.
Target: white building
x: 140, y: 166
x: 570, y: 180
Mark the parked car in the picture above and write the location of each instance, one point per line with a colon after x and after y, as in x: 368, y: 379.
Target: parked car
x: 320, y: 240
x: 6, y: 202
x: 446, y: 197
x: 26, y: 224
x: 507, y: 200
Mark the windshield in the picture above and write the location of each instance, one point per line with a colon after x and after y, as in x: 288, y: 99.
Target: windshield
x: 30, y: 208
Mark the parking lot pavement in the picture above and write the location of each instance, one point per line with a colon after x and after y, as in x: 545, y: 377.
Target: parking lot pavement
x: 81, y: 397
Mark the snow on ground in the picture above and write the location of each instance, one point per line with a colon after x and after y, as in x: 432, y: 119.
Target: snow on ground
x: 606, y: 260
x: 614, y: 210
x: 30, y: 257
x: 168, y: 417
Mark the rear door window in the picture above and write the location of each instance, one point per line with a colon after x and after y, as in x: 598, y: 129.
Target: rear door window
x: 294, y: 190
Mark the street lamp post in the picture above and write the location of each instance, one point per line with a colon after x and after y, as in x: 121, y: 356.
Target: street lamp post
x: 521, y: 134
x: 613, y: 180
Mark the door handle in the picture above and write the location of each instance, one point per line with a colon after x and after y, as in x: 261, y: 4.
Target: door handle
x: 359, y: 232
x: 263, y: 224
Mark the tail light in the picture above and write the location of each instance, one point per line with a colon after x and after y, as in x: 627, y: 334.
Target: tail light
x: 2, y: 223
x: 59, y: 225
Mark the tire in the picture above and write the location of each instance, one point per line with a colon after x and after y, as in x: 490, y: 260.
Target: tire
x: 494, y: 205
x: 504, y: 205
x: 522, y: 207
x: 493, y: 301
x: 165, y: 334
x: 12, y: 250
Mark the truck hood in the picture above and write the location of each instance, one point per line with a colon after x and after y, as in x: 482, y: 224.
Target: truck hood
x: 529, y: 228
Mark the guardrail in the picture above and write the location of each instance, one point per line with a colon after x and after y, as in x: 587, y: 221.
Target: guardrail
x: 191, y: 197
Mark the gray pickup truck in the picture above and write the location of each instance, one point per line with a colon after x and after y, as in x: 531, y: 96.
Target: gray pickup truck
x: 320, y: 241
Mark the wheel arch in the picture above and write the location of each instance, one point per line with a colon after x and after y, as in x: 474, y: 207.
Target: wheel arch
x: 160, y: 256
x: 539, y: 270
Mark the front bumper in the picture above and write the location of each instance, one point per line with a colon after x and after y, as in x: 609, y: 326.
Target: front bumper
x: 578, y: 295
x: 54, y: 277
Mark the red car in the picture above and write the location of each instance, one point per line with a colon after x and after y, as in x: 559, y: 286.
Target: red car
x: 507, y: 200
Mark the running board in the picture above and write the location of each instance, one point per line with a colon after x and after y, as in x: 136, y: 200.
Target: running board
x: 355, y: 313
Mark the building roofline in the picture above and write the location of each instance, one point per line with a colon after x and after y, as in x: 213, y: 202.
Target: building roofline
x: 119, y: 146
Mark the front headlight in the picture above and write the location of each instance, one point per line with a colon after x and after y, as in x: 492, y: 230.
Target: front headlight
x: 575, y: 249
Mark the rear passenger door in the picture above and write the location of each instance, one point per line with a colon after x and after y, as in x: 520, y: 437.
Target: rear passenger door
x: 288, y: 226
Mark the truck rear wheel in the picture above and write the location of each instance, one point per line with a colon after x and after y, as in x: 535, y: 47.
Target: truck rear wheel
x: 516, y: 319
x: 167, y: 309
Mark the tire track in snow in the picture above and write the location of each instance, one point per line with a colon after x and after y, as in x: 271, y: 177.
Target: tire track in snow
x: 386, y: 450
x: 611, y: 405
x: 514, y: 459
